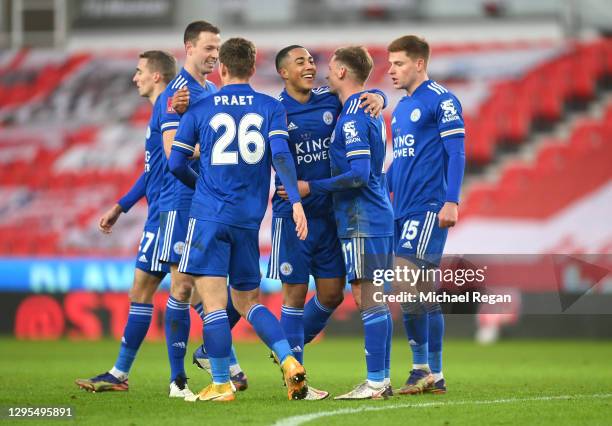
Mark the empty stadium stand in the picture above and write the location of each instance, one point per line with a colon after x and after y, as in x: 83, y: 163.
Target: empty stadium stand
x: 72, y: 130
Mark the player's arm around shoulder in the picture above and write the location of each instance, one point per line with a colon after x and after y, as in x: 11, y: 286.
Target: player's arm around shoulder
x: 180, y: 100
x: 373, y: 102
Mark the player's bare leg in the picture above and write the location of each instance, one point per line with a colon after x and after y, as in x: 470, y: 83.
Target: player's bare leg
x: 330, y: 291
x: 142, y: 291
x: 144, y: 287
x: 181, y: 285
x: 294, y: 295
x: 362, y: 293
x: 420, y: 379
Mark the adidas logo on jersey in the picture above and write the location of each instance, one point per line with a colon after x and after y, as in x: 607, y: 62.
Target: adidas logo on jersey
x: 407, y: 245
x: 180, y: 345
x: 412, y: 342
x: 296, y: 349
x: 393, y: 120
x: 292, y: 126
x: 143, y: 259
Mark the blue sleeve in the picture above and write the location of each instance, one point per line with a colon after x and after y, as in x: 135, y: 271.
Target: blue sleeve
x: 137, y: 191
x: 449, y: 117
x: 186, y: 137
x: 452, y: 132
x: 183, y: 147
x: 356, y: 177
x: 355, y: 133
x: 390, y: 178
x: 169, y: 119
x: 178, y: 163
x: 381, y: 93
x: 278, y: 121
x: 456, y: 167
x: 282, y: 160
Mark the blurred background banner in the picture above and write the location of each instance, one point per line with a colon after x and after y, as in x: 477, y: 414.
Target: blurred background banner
x: 534, y: 79
x: 104, y: 14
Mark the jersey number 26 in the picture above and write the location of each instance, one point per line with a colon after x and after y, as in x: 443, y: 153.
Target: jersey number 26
x: 251, y: 143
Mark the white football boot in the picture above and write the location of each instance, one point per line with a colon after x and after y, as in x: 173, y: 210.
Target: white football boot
x: 364, y: 391
x: 179, y: 388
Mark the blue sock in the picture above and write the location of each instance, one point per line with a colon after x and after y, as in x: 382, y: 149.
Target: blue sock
x: 233, y: 317
x: 375, y: 328
x: 416, y: 326
x: 269, y: 331
x: 315, y: 318
x: 436, y: 334
x: 134, y: 333
x: 292, y: 323
x: 388, y: 347
x: 233, y: 360
x: 177, y: 333
x: 199, y: 308
x: 218, y: 344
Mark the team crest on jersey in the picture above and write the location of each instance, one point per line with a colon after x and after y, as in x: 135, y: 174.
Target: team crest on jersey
x: 169, y: 106
x: 148, y: 132
x: 179, y: 247
x: 328, y: 117
x: 415, y: 115
x: 350, y: 133
x: 450, y: 112
x: 286, y: 268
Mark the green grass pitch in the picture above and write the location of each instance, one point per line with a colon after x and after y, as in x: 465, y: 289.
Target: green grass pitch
x: 513, y: 382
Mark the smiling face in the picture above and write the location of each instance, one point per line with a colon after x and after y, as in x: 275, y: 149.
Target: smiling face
x: 203, y: 54
x: 299, y: 69
x: 405, y: 72
x: 144, y: 78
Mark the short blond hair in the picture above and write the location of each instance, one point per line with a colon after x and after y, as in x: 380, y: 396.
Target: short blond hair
x: 357, y: 59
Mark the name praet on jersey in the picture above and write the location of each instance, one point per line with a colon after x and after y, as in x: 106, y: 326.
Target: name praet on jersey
x: 312, y: 150
x: 233, y: 100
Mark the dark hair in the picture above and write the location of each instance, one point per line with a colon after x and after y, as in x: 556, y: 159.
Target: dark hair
x: 161, y: 62
x: 283, y: 53
x: 357, y: 60
x: 193, y: 30
x: 415, y: 47
x: 238, y: 55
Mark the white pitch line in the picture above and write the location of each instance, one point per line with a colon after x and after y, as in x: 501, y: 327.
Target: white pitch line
x: 304, y: 418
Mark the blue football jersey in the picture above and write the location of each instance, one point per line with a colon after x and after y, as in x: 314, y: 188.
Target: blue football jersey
x: 365, y: 211
x: 174, y: 194
x: 310, y: 127
x: 420, y: 124
x: 233, y: 127
x: 153, y: 168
